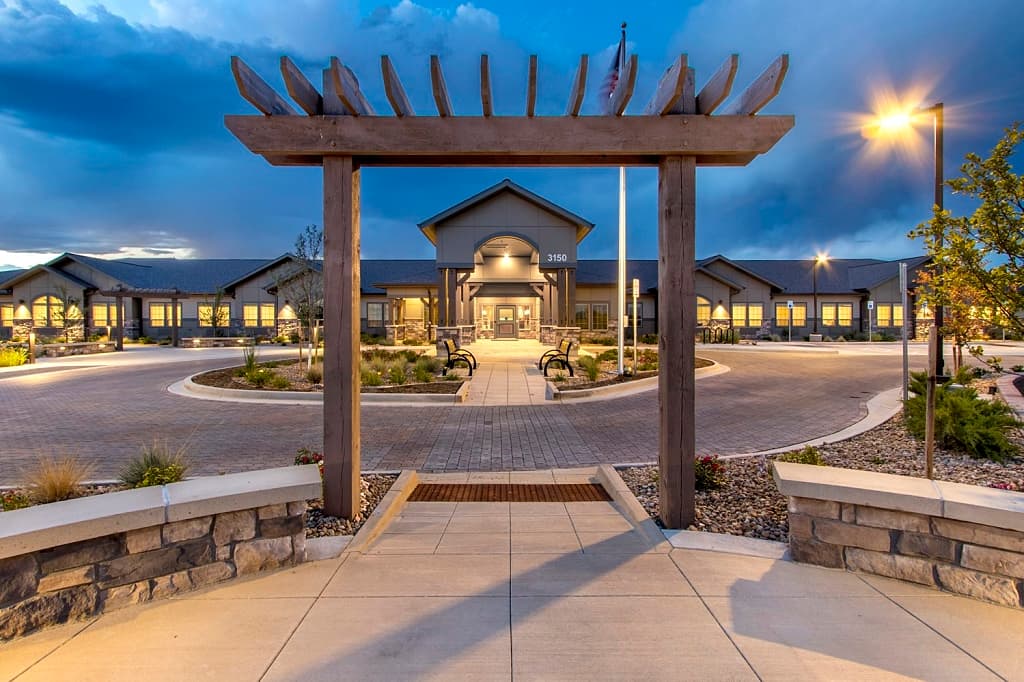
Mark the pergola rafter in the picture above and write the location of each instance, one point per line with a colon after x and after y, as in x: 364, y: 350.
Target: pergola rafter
x: 677, y: 133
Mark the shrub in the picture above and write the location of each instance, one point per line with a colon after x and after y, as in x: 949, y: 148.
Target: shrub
x: 559, y: 377
x: 962, y: 420
x: 809, y: 455
x: 610, y: 355
x: 379, y: 364
x: 709, y: 472
x: 432, y: 364
x: 12, y: 499
x: 396, y: 371
x: 1017, y: 368
x: 12, y: 356
x: 307, y: 456
x: 649, y: 339
x: 604, y: 341
x: 590, y: 366
x: 55, y: 479
x: 452, y: 377
x: 259, y: 377
x: 156, y: 464
x: 279, y: 382
x: 414, y: 341
x: 315, y: 374
x: 370, y: 377
x: 249, y: 358
x: 293, y: 337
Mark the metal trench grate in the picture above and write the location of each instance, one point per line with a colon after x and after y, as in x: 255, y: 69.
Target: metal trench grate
x: 506, y: 492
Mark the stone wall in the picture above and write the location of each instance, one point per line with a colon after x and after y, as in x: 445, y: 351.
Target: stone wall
x: 963, y: 539
x: 89, y: 577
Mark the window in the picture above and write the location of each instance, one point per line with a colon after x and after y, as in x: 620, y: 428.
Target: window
x: 897, y: 315
x: 833, y: 314
x: 828, y: 314
x: 375, y: 314
x: 7, y: 315
x: 206, y: 316
x: 703, y: 310
x: 161, y: 314
x: 799, y: 314
x: 883, y: 315
x: 583, y: 316
x: 104, y: 314
x: 924, y: 312
x: 258, y: 314
x: 639, y: 312
x: 47, y: 311
x: 747, y: 314
x: 599, y: 315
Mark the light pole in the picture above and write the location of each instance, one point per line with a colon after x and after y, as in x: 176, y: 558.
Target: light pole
x: 820, y: 259
x: 902, y: 121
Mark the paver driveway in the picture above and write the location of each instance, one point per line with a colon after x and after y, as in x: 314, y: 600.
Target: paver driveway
x: 105, y: 413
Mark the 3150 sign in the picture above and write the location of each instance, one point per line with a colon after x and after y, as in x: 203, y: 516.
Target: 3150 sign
x: 558, y: 258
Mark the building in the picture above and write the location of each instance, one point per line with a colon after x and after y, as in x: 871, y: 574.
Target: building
x: 506, y: 267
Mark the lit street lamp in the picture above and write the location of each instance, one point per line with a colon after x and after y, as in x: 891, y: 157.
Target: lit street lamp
x: 904, y: 121
x: 820, y: 259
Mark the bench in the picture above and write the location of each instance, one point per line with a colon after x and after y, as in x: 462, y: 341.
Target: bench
x: 559, y: 355
x: 456, y: 354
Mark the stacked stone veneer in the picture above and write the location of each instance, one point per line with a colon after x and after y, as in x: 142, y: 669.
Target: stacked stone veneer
x: 953, y: 554
x: 89, y: 576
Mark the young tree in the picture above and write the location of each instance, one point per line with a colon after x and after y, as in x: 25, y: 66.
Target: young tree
x: 982, y: 255
x: 304, y: 286
x: 214, y: 313
x: 68, y: 314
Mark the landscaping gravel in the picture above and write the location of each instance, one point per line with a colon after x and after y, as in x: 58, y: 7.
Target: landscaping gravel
x: 750, y: 505
x: 374, y: 487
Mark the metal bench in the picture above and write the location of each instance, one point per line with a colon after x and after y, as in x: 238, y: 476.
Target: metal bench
x: 559, y: 355
x: 456, y: 354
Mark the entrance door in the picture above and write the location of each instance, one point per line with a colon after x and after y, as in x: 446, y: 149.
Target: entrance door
x: 505, y: 322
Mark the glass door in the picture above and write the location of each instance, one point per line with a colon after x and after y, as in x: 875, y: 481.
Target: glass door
x: 505, y: 322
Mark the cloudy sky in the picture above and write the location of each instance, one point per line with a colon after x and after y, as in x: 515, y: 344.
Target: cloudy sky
x: 112, y: 137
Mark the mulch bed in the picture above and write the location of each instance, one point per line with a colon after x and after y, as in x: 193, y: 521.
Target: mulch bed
x: 295, y: 372
x: 609, y: 375
x: 750, y: 505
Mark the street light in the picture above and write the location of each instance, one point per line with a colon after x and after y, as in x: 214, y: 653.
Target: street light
x: 820, y: 259
x: 901, y: 122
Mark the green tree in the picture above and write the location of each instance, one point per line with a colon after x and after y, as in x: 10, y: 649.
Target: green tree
x: 215, y: 313
x: 304, y: 286
x: 981, y: 256
x: 68, y: 314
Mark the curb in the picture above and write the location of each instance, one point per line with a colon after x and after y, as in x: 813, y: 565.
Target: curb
x: 631, y: 507
x: 190, y: 389
x: 387, y: 509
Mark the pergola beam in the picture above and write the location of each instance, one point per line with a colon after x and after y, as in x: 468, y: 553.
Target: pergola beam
x: 486, y: 99
x: 579, y: 88
x: 546, y: 140
x: 300, y: 89
x: 718, y: 86
x: 257, y: 92
x: 393, y: 88
x: 762, y: 91
x: 624, y: 90
x: 669, y: 90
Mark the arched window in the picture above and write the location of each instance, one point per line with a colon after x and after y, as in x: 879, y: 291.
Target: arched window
x: 703, y: 310
x: 47, y: 311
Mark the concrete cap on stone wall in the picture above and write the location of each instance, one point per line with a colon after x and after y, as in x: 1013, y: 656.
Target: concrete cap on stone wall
x: 60, y: 523
x: 957, y: 501
x: 245, y: 490
x: 50, y: 525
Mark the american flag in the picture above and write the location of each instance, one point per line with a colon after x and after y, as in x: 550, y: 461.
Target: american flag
x: 611, y: 80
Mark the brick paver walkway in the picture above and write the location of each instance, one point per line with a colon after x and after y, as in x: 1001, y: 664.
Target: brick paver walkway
x: 769, y: 399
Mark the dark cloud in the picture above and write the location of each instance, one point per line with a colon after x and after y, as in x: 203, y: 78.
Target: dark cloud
x: 112, y: 129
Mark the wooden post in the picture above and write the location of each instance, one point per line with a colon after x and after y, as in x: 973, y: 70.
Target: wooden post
x: 174, y: 322
x: 929, y: 405
x: 677, y: 306
x: 341, y: 331
x: 120, y: 322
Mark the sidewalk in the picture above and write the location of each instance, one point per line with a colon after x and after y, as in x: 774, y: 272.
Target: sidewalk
x: 492, y: 591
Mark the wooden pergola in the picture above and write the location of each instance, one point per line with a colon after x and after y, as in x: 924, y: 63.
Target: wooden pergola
x: 341, y: 132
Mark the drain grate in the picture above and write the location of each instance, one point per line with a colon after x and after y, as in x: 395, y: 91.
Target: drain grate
x: 505, y: 492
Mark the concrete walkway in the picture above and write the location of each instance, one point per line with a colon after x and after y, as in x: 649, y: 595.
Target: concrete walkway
x: 537, y: 591
x: 507, y: 374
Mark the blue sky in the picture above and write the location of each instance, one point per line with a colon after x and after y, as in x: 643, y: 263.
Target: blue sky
x: 112, y: 138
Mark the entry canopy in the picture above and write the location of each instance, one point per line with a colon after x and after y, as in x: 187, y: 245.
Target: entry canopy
x: 676, y: 121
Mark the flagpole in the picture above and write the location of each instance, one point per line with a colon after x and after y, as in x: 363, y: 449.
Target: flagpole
x: 622, y: 232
